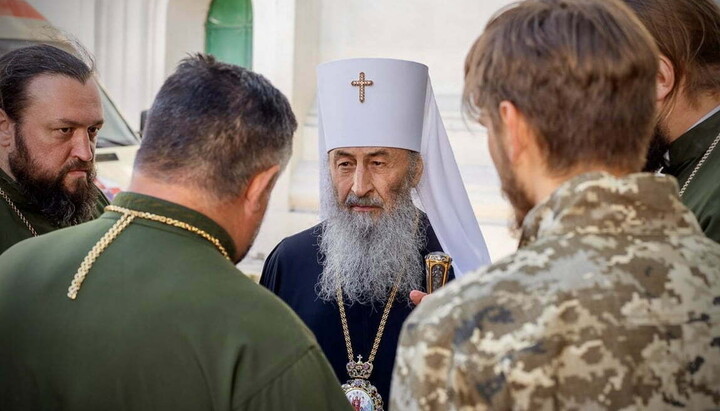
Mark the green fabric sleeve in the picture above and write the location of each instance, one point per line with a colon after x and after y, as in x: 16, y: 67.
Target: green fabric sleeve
x: 307, y: 384
x: 711, y: 227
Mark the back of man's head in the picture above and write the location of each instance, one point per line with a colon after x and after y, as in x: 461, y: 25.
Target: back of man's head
x: 19, y: 67
x: 213, y: 126
x: 582, y: 72
x: 687, y: 32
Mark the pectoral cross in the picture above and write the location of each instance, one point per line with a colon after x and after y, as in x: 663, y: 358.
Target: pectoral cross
x: 362, y: 83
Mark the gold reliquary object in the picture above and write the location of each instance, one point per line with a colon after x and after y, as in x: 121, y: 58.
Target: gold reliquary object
x: 437, y: 269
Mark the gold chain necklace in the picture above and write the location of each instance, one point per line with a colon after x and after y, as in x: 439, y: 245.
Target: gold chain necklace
x: 18, y: 212
x: 699, y: 164
x: 128, y: 216
x: 358, y: 389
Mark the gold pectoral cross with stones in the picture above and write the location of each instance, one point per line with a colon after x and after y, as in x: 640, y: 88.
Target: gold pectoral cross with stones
x: 362, y: 83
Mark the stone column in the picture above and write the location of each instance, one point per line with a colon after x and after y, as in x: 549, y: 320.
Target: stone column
x: 273, y: 57
x: 130, y: 52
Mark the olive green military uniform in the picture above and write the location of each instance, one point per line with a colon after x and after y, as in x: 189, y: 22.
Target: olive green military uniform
x: 612, y: 302
x: 162, y: 322
x: 702, y: 195
x: 12, y: 228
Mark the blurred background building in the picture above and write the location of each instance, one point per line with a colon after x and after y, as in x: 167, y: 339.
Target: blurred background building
x: 138, y: 43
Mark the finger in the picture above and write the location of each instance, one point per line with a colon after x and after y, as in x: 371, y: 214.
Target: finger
x: 417, y: 296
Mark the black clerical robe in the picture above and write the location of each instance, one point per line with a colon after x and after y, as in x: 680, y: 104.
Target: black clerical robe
x: 292, y: 270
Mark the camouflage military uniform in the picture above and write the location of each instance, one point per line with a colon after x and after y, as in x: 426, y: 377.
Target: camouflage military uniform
x: 611, y: 302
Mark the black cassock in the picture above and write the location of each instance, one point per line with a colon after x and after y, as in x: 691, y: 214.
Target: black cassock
x: 292, y: 270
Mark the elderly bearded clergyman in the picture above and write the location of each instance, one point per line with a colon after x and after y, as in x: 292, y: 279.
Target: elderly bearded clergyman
x: 381, y: 137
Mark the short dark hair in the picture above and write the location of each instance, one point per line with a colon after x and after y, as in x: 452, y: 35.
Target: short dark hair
x: 20, y: 66
x: 687, y: 32
x: 215, y: 125
x: 582, y: 72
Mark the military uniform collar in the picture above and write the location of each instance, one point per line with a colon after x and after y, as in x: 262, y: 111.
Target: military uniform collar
x: 692, y: 145
x: 599, y: 203
x: 140, y: 202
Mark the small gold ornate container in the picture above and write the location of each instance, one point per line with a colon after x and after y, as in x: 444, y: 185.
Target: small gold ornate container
x: 437, y: 268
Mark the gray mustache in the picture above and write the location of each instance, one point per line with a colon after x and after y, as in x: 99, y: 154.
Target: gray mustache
x: 353, y: 200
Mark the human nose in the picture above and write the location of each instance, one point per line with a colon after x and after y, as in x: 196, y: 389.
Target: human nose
x: 83, y: 147
x: 361, y: 182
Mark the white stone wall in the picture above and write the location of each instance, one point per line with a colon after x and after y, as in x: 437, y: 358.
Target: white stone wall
x: 274, y: 58
x: 130, y: 50
x: 70, y: 16
x: 436, y: 33
x: 185, y: 30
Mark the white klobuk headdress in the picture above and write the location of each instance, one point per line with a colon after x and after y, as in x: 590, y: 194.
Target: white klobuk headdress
x: 375, y: 102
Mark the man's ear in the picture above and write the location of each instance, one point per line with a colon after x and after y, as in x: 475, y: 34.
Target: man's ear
x: 259, y: 187
x: 7, y: 130
x: 516, y: 136
x: 665, y: 78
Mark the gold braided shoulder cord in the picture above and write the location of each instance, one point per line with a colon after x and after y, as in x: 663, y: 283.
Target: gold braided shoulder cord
x: 18, y: 212
x: 95, y: 252
x: 128, y: 216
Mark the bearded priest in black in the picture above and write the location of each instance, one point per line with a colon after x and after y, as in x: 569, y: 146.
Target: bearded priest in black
x: 349, y: 278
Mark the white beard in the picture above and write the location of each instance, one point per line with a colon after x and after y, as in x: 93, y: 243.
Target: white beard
x: 366, y: 257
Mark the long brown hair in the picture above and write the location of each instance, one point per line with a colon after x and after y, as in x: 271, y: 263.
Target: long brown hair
x: 687, y: 32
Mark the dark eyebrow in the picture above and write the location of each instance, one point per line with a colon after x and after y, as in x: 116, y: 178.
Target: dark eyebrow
x: 76, y: 124
x: 341, y: 153
x: 381, y: 152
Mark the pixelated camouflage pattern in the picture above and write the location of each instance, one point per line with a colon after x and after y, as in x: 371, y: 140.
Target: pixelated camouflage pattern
x: 611, y: 302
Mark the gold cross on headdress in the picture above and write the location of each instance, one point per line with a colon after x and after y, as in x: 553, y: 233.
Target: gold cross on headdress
x: 361, y: 83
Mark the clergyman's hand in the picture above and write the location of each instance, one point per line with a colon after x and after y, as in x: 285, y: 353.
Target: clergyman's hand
x: 417, y: 296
